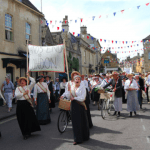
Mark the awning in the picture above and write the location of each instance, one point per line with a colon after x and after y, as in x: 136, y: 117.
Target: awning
x: 20, y: 63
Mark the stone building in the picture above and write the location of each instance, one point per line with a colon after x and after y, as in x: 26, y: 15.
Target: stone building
x: 146, y: 45
x: 90, y: 52
x: 20, y: 21
x: 109, y: 62
x: 72, y: 46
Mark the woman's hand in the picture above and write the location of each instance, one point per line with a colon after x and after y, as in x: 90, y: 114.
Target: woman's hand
x: 72, y: 98
x: 49, y: 101
x: 26, y: 93
x: 27, y: 74
x: 114, y: 90
x: 36, y: 103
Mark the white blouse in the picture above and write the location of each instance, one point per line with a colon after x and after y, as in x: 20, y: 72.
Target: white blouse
x: 104, y: 82
x: 80, y: 93
x: 37, y: 90
x: 63, y: 85
x: 133, y: 84
x: 85, y: 83
x: 19, y: 95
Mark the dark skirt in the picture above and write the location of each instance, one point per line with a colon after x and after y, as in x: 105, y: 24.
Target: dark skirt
x: 92, y: 95
x: 123, y: 96
x: 27, y: 120
x: 96, y: 96
x: 42, y: 109
x: 139, y: 94
x: 62, y: 91
x: 79, y: 122
x: 88, y: 110
x: 52, y: 104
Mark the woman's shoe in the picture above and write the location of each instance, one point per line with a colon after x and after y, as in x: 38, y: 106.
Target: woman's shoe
x: 135, y: 112
x: 130, y: 114
x: 114, y: 113
x: 118, y: 114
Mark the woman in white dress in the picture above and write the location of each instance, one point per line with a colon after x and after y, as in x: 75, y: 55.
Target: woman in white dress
x: 77, y: 95
x: 63, y: 85
x: 132, y: 100
x: 25, y: 114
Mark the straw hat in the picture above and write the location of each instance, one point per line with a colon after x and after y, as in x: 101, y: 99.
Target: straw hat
x: 130, y: 75
x: 75, y: 72
x: 115, y: 73
x: 22, y: 78
x: 97, y: 75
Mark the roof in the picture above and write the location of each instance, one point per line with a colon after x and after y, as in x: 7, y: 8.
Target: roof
x: 29, y: 4
x: 147, y: 38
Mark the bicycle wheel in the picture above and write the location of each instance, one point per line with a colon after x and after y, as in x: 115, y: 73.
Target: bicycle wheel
x: 104, y: 109
x: 111, y: 108
x: 62, y: 121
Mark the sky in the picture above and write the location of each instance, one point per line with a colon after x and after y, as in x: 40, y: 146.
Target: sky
x: 131, y: 25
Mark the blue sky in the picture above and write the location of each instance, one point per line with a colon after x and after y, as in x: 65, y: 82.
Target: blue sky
x: 132, y: 25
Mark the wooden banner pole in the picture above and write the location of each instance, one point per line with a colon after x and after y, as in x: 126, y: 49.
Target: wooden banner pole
x: 27, y: 61
x: 66, y: 59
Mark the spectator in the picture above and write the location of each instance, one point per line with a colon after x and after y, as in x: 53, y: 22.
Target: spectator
x: 8, y: 92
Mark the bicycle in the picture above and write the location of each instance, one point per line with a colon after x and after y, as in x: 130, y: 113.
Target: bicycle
x: 63, y: 119
x: 107, y: 105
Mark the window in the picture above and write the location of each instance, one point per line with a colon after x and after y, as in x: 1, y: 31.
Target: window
x: 8, y: 27
x: 20, y: 0
x: 148, y: 55
x: 28, y: 33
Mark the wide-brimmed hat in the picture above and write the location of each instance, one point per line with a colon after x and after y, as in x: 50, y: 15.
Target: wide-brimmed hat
x: 40, y: 77
x: 97, y: 75
x: 47, y: 76
x: 75, y: 72
x: 115, y: 73
x: 22, y: 78
x: 130, y: 75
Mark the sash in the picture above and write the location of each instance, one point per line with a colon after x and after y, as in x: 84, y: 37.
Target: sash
x: 74, y: 95
x: 27, y: 97
x: 42, y: 87
x: 106, y: 81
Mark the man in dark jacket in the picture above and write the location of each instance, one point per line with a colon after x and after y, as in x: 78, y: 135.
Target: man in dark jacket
x: 141, y: 82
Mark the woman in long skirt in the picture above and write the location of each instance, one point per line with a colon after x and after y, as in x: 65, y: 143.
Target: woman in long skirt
x: 25, y: 114
x: 77, y: 94
x: 42, y: 100
x: 50, y: 87
x: 117, y: 88
x: 132, y: 99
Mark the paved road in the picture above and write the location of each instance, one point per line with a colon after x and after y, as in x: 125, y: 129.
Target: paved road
x: 110, y: 134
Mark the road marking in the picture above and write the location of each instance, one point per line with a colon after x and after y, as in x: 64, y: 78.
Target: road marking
x: 148, y: 141
x: 141, y: 120
x: 144, y: 128
x: 8, y: 120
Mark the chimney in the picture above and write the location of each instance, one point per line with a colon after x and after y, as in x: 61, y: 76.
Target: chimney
x: 65, y: 24
x: 83, y: 30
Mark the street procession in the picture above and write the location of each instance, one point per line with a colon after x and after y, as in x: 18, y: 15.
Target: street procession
x: 74, y: 82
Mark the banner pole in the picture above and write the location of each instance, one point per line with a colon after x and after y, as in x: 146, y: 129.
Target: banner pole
x: 27, y: 61
x: 66, y: 59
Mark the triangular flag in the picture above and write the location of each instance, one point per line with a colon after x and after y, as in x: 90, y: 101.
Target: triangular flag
x: 65, y: 21
x: 75, y: 21
x: 41, y: 21
x: 93, y: 17
x: 126, y: 42
x: 92, y: 38
x: 73, y: 33
x: 55, y: 21
x: 112, y: 41
x: 81, y: 19
x: 78, y: 34
x: 114, y: 13
x: 122, y: 11
x: 60, y: 22
x: 87, y: 37
x: 116, y: 42
x: 57, y: 28
x: 100, y: 16
x: 63, y: 30
x: 51, y: 22
x: 123, y: 42
x: 101, y: 40
x: 104, y: 40
x: 138, y: 7
x: 147, y: 4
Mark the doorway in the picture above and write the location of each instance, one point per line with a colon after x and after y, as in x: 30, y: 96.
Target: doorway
x: 9, y: 72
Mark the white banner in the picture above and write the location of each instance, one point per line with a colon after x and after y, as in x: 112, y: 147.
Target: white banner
x: 46, y: 58
x: 128, y: 70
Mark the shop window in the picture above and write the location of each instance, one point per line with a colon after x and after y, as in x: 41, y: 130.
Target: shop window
x: 8, y: 27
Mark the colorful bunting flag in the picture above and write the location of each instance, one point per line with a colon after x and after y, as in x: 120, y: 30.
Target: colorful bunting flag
x: 81, y: 19
x: 147, y: 4
x: 114, y: 13
x: 138, y: 7
x: 73, y: 33
x: 57, y: 28
x: 122, y: 11
x: 87, y: 37
x: 63, y: 30
x: 100, y: 16
x: 51, y: 22
x: 65, y: 21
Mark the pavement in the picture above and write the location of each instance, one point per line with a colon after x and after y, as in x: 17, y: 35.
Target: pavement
x: 4, y: 112
x: 123, y: 133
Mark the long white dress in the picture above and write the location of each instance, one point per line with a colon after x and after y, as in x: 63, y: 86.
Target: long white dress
x: 132, y: 99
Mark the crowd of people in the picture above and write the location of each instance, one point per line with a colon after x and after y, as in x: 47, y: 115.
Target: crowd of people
x: 81, y: 90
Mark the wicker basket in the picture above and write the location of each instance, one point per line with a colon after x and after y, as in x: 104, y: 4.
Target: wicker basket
x: 64, y: 104
x: 101, y: 91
